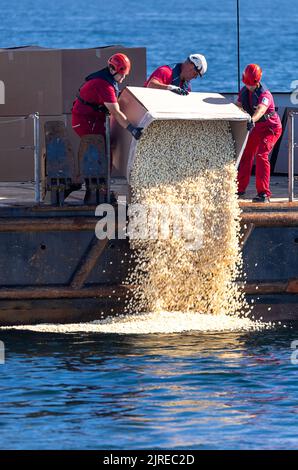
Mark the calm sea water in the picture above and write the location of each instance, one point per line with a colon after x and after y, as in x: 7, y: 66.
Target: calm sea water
x: 199, y: 390
x: 170, y: 31
x: 179, y: 391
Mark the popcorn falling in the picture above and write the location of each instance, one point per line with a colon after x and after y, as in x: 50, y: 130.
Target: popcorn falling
x: 191, y: 163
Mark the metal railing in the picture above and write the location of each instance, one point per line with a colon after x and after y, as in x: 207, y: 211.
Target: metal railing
x: 35, y: 148
x: 37, y: 151
x: 108, y: 153
x: 291, y: 153
x: 37, y: 163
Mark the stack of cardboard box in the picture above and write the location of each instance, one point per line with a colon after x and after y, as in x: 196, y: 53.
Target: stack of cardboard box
x: 46, y: 81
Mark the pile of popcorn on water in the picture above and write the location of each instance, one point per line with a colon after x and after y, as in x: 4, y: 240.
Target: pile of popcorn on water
x: 188, y: 163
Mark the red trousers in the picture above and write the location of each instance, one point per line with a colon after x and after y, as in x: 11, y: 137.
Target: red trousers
x: 260, y: 143
x: 87, y: 124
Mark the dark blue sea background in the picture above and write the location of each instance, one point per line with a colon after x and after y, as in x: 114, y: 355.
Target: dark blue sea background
x: 170, y: 31
x: 220, y: 390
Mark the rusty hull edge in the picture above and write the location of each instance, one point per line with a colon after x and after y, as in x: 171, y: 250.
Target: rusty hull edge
x: 272, y: 301
x: 267, y: 308
x: 274, y: 308
x: 75, y: 310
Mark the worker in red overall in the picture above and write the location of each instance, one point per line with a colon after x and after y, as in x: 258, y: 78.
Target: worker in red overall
x: 96, y: 98
x: 177, y: 78
x: 265, y: 129
x: 99, y: 95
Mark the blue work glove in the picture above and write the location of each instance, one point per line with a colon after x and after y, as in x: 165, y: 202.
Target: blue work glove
x: 136, y: 132
x: 178, y: 90
x: 250, y: 125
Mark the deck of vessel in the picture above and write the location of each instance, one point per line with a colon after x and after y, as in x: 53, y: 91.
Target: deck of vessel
x: 22, y: 194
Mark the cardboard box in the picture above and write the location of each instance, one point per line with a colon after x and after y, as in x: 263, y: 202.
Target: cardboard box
x: 47, y: 80
x: 17, y: 140
x: 78, y: 63
x: 32, y: 81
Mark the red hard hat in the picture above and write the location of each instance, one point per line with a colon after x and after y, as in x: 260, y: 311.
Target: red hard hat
x: 252, y: 75
x: 120, y: 63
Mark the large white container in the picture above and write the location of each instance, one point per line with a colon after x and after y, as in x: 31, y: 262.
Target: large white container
x: 142, y: 106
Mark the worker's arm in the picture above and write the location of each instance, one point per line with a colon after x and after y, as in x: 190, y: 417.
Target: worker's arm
x: 120, y: 117
x: 154, y: 83
x: 116, y: 112
x: 259, y: 112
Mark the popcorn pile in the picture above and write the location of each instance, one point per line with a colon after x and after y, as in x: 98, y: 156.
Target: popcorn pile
x: 181, y: 164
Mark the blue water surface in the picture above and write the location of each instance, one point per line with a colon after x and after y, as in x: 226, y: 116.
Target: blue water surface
x: 180, y: 391
x: 170, y: 31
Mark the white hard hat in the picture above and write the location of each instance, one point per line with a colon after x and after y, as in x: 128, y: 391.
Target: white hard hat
x: 199, y: 62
